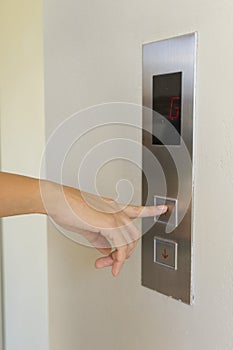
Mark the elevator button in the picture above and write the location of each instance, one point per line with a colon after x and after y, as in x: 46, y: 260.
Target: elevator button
x: 165, y: 253
x: 171, y: 216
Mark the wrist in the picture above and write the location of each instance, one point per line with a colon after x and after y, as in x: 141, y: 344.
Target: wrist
x: 51, y: 197
x: 44, y: 196
x: 34, y: 200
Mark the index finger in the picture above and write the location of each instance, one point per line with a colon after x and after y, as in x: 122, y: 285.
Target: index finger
x: 142, y: 212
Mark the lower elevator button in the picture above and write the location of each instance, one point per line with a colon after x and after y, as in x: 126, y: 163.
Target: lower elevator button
x: 165, y: 253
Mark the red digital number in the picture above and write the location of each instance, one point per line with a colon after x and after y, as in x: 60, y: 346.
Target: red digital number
x: 174, y: 110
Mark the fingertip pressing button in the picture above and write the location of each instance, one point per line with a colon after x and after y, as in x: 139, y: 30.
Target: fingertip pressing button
x: 171, y: 216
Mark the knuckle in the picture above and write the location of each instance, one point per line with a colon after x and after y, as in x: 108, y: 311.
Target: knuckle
x: 137, y: 210
x: 111, y: 221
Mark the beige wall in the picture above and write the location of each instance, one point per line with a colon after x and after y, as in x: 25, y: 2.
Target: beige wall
x: 22, y: 142
x: 93, y: 55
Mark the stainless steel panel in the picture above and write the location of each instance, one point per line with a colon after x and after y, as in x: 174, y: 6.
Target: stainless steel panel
x: 168, y: 56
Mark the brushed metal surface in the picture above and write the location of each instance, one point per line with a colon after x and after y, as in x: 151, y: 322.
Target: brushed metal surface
x: 168, y: 56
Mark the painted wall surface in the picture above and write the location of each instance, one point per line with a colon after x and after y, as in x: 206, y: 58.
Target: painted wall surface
x: 92, y: 56
x: 22, y: 142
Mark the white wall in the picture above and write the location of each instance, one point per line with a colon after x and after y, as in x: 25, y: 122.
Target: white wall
x: 93, y: 55
x: 22, y: 142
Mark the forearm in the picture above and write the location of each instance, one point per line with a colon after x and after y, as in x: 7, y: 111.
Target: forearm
x: 19, y: 195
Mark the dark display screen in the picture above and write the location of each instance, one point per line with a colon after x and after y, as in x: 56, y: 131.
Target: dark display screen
x: 167, y: 103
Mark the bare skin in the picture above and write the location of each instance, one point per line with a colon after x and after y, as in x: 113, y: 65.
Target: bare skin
x: 101, y: 221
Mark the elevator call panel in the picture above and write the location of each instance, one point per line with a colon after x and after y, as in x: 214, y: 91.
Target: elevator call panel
x: 168, y: 134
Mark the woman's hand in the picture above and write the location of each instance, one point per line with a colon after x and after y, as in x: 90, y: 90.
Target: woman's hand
x: 103, y: 222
